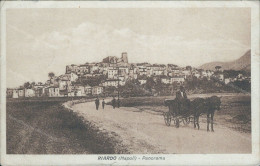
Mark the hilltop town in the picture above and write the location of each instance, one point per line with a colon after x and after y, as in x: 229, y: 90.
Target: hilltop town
x: 115, y: 74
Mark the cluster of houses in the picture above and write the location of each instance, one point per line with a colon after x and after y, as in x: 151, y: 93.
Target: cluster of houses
x: 115, y: 71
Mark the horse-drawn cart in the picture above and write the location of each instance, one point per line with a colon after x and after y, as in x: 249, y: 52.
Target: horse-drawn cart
x: 187, y: 111
x: 176, y: 117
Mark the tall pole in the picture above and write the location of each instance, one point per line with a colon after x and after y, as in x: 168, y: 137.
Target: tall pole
x: 118, y: 83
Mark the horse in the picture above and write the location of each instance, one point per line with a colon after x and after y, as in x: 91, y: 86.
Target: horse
x: 207, y: 106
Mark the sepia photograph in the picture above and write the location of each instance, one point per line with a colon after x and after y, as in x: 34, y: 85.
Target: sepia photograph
x: 123, y: 81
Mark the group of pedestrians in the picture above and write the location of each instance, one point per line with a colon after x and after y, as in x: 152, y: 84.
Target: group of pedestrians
x: 97, y: 103
x: 114, y: 103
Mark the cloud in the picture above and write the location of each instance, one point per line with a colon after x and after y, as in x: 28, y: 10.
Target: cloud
x: 15, y: 78
x: 98, y: 40
x: 90, y: 42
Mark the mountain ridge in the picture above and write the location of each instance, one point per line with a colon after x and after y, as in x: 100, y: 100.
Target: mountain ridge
x: 242, y: 63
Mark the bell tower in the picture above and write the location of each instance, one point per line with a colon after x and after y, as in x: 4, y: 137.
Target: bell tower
x: 124, y: 57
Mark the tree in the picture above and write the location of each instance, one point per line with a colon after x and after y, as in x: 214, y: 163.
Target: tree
x: 159, y: 85
x: 188, y: 68
x: 93, y: 81
x: 51, y: 75
x: 32, y: 84
x: 150, y: 83
x: 27, y: 85
x: 218, y: 67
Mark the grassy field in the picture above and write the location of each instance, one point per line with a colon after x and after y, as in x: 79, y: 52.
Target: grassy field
x: 45, y: 127
x: 235, y: 113
x: 235, y: 110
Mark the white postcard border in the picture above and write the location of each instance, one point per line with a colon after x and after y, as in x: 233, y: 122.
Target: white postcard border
x: 176, y: 159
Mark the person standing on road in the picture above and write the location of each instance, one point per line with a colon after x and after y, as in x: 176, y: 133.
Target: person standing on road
x: 103, y: 104
x: 182, y: 100
x: 97, y: 103
x: 114, y: 102
x: 118, y: 103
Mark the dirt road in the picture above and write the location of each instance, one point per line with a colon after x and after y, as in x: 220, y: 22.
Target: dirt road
x: 145, y: 132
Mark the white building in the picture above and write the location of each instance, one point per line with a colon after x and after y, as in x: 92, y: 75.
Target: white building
x: 177, y: 79
x: 71, y: 76
x: 158, y: 72
x: 71, y: 94
x: 166, y: 80
x: 198, y: 75
x: 96, y: 90
x: 111, y: 82
x: 79, y: 93
x: 186, y: 72
x: 142, y: 70
x: 53, y: 91
x: 83, y: 69
x: 95, y: 68
x: 123, y: 70
x: 221, y: 77
x: 88, y: 90
x: 20, y: 92
x: 206, y: 73
x: 112, y: 73
x: 72, y: 68
x: 64, y: 83
x: 227, y: 80
x: 29, y: 93
x: 80, y: 90
x: 15, y: 93
x: 141, y: 81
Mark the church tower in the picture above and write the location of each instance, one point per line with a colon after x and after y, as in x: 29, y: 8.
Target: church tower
x: 124, y: 57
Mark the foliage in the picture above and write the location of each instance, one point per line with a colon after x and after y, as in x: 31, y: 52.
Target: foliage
x: 27, y: 85
x: 51, y: 74
x: 188, y: 67
x: 132, y: 88
x: 243, y: 85
x: 150, y: 84
x: 92, y: 81
x: 214, y: 85
x: 234, y: 73
x: 217, y: 67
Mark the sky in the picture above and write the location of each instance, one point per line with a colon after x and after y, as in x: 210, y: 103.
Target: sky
x: 39, y: 41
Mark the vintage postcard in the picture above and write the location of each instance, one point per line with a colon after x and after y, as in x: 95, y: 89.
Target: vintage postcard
x: 130, y: 83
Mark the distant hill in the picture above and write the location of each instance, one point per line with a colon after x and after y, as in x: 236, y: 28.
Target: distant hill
x: 243, y: 63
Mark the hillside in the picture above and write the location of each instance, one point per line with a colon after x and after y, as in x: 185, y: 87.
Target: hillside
x: 243, y: 63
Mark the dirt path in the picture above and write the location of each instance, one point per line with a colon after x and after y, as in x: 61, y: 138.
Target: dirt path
x: 144, y: 132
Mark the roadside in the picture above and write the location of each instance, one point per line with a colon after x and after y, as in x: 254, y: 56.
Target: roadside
x: 46, y: 127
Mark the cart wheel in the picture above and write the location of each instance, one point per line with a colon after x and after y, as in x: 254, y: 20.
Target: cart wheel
x: 167, y: 118
x: 186, y: 121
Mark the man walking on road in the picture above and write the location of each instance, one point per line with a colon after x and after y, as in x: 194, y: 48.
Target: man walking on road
x: 97, y: 103
x: 114, y: 102
x: 103, y: 104
x: 118, y: 103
